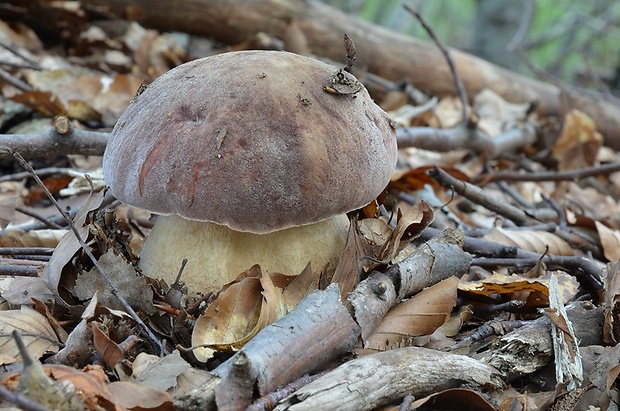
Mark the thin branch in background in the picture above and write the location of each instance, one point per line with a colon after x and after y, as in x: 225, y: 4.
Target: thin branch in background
x: 52, y: 143
x: 38, y: 217
x: 43, y: 172
x: 524, y: 24
x: 566, y: 175
x: 21, y: 400
x: 31, y: 64
x: 457, y: 79
x: 11, y: 79
x: 592, y: 75
x: 114, y: 289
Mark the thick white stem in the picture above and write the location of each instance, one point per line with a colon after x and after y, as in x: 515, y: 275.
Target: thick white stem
x: 216, y: 254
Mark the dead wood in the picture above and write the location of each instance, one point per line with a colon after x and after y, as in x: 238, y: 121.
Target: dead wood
x: 529, y: 348
x: 374, y: 380
x: 52, y: 143
x: 322, y: 327
x: 379, y: 51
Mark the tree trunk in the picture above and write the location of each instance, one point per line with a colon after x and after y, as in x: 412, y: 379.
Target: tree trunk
x: 387, y: 54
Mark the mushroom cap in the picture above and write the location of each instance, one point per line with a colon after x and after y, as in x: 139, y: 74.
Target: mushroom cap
x: 251, y: 140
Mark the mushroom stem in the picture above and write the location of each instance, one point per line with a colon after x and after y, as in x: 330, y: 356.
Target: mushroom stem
x: 217, y: 254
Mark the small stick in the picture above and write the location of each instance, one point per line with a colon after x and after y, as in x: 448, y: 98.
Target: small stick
x: 566, y: 175
x: 446, y: 53
x: 114, y: 289
x: 20, y: 400
x: 38, y: 217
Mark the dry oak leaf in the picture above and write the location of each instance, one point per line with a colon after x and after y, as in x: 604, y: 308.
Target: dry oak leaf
x: 409, y: 226
x: 579, y: 142
x: 610, y: 240
x: 509, y: 284
x: 530, y: 240
x: 246, y: 306
x: 611, y: 325
x: 420, y: 315
x: 135, y: 289
x: 36, y: 331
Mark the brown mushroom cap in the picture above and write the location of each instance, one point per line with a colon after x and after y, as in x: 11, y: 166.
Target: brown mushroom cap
x: 250, y: 140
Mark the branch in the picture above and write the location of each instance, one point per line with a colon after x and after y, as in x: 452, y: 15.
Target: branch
x: 59, y: 140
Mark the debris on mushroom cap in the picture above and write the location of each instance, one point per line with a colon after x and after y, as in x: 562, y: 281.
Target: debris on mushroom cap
x: 251, y: 140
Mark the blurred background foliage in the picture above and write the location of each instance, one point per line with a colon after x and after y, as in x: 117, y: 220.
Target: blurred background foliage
x: 575, y: 42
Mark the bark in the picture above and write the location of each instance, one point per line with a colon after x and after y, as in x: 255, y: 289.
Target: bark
x: 379, y: 379
x: 529, y: 348
x: 322, y: 327
x: 387, y: 54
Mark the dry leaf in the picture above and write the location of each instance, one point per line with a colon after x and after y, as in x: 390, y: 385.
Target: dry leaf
x: 48, y: 238
x: 298, y: 287
x: 350, y: 266
x: 140, y: 397
x: 69, y: 245
x: 610, y: 241
x: 22, y: 290
x: 409, y: 226
x: 579, y: 143
x: 134, y: 287
x: 230, y: 318
x: 495, y: 115
x: 421, y: 315
x: 111, y: 353
x: 37, y: 334
x: 611, y: 325
x: 509, y: 284
x: 530, y: 240
x: 160, y: 373
x: 7, y: 210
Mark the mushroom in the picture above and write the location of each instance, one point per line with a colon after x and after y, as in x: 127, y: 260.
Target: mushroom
x: 249, y: 157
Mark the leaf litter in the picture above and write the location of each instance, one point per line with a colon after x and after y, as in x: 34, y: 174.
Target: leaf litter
x: 78, y: 321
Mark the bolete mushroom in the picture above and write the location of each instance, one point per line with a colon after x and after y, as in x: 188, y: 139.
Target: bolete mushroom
x: 249, y: 157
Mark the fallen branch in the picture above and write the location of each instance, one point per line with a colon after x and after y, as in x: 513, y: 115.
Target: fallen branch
x: 529, y: 348
x: 374, y: 380
x: 382, y: 52
x: 53, y: 143
x: 322, y: 327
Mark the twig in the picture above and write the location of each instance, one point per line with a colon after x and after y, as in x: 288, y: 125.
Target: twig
x: 113, y: 288
x: 20, y: 270
x: 20, y: 400
x: 52, y: 143
x: 524, y: 25
x: 580, y: 267
x: 457, y: 79
x: 479, y: 196
x: 9, y: 78
x: 38, y: 217
x: 31, y: 63
x: 567, y: 175
x: 42, y: 172
x: 26, y: 251
x: 266, y: 402
x: 460, y: 137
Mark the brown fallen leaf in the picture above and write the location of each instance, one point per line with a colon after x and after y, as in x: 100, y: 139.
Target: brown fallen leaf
x: 420, y: 315
x: 579, y: 143
x: 509, y: 284
x: 136, y: 291
x: 231, y: 317
x: 610, y: 241
x: 409, y: 226
x: 530, y: 240
x: 36, y: 332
